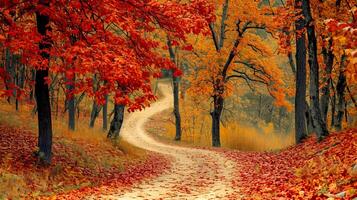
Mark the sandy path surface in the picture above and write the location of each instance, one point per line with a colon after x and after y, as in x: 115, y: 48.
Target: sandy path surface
x: 195, y: 173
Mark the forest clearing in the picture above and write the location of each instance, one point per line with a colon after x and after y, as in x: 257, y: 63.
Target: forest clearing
x: 178, y: 99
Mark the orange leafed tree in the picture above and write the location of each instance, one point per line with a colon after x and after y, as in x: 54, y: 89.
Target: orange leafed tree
x: 234, y: 51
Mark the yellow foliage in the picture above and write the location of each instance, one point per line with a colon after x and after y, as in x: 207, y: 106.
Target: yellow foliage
x: 196, y: 130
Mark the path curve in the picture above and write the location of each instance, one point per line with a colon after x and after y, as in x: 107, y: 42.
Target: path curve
x: 195, y: 173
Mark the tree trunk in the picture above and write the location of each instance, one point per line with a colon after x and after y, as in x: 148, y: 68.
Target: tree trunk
x: 216, y: 118
x: 300, y: 95
x: 71, y: 105
x: 340, y: 89
x: 17, y: 77
x: 20, y: 82
x: 351, y: 96
x: 42, y: 96
x: 328, y: 59
x: 117, y: 122
x: 105, y: 114
x: 308, y: 118
x: 333, y: 105
x: 71, y: 101
x: 175, y: 81
x: 288, y: 42
x: 95, y: 107
x: 10, y: 71
x: 317, y: 121
x: 32, y: 93
x: 94, y: 114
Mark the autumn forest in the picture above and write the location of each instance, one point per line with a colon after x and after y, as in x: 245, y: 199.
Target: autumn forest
x: 178, y: 99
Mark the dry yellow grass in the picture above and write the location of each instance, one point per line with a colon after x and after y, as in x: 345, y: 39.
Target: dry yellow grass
x: 237, y: 136
x: 196, y: 130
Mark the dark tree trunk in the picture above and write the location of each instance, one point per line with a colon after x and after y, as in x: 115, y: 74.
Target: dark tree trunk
x: 17, y: 78
x: 333, y: 105
x: 308, y: 118
x: 20, y: 82
x: 10, y: 70
x: 42, y: 96
x: 105, y: 114
x: 71, y: 105
x: 117, y: 122
x: 94, y: 114
x: 291, y: 62
x: 328, y: 59
x: 95, y: 107
x: 71, y: 101
x: 216, y: 118
x: 300, y: 95
x: 351, y: 96
x: 175, y: 82
x: 317, y: 121
x: 340, y: 89
x: 32, y: 93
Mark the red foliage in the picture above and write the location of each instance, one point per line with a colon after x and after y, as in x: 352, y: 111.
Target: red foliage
x: 305, y: 171
x: 103, y: 38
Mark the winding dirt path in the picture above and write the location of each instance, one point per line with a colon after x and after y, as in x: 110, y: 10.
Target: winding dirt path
x: 195, y: 173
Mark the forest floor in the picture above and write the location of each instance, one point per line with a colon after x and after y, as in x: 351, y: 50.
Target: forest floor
x: 145, y: 167
x: 84, y: 162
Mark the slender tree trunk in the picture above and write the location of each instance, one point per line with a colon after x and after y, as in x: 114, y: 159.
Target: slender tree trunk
x: 340, y: 89
x: 71, y: 101
x: 175, y: 81
x: 57, y: 102
x: 333, y: 104
x: 291, y: 62
x: 95, y: 107
x: 17, y: 70
x: 117, y: 122
x: 216, y: 118
x: 20, y: 82
x: 317, y: 121
x: 105, y: 114
x: 351, y: 96
x: 300, y: 95
x: 308, y: 118
x: 43, y: 97
x: 32, y: 93
x: 94, y: 114
x: 10, y: 70
x: 71, y: 105
x: 328, y: 59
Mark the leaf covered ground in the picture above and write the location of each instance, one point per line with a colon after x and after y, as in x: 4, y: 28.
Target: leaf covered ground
x: 79, y: 167
x: 311, y: 170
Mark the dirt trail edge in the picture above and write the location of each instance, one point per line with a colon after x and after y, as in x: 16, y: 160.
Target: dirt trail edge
x: 195, y: 173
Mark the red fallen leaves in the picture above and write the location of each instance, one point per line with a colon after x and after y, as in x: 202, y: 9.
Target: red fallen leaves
x: 152, y: 166
x: 306, y: 171
x: 77, y: 169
